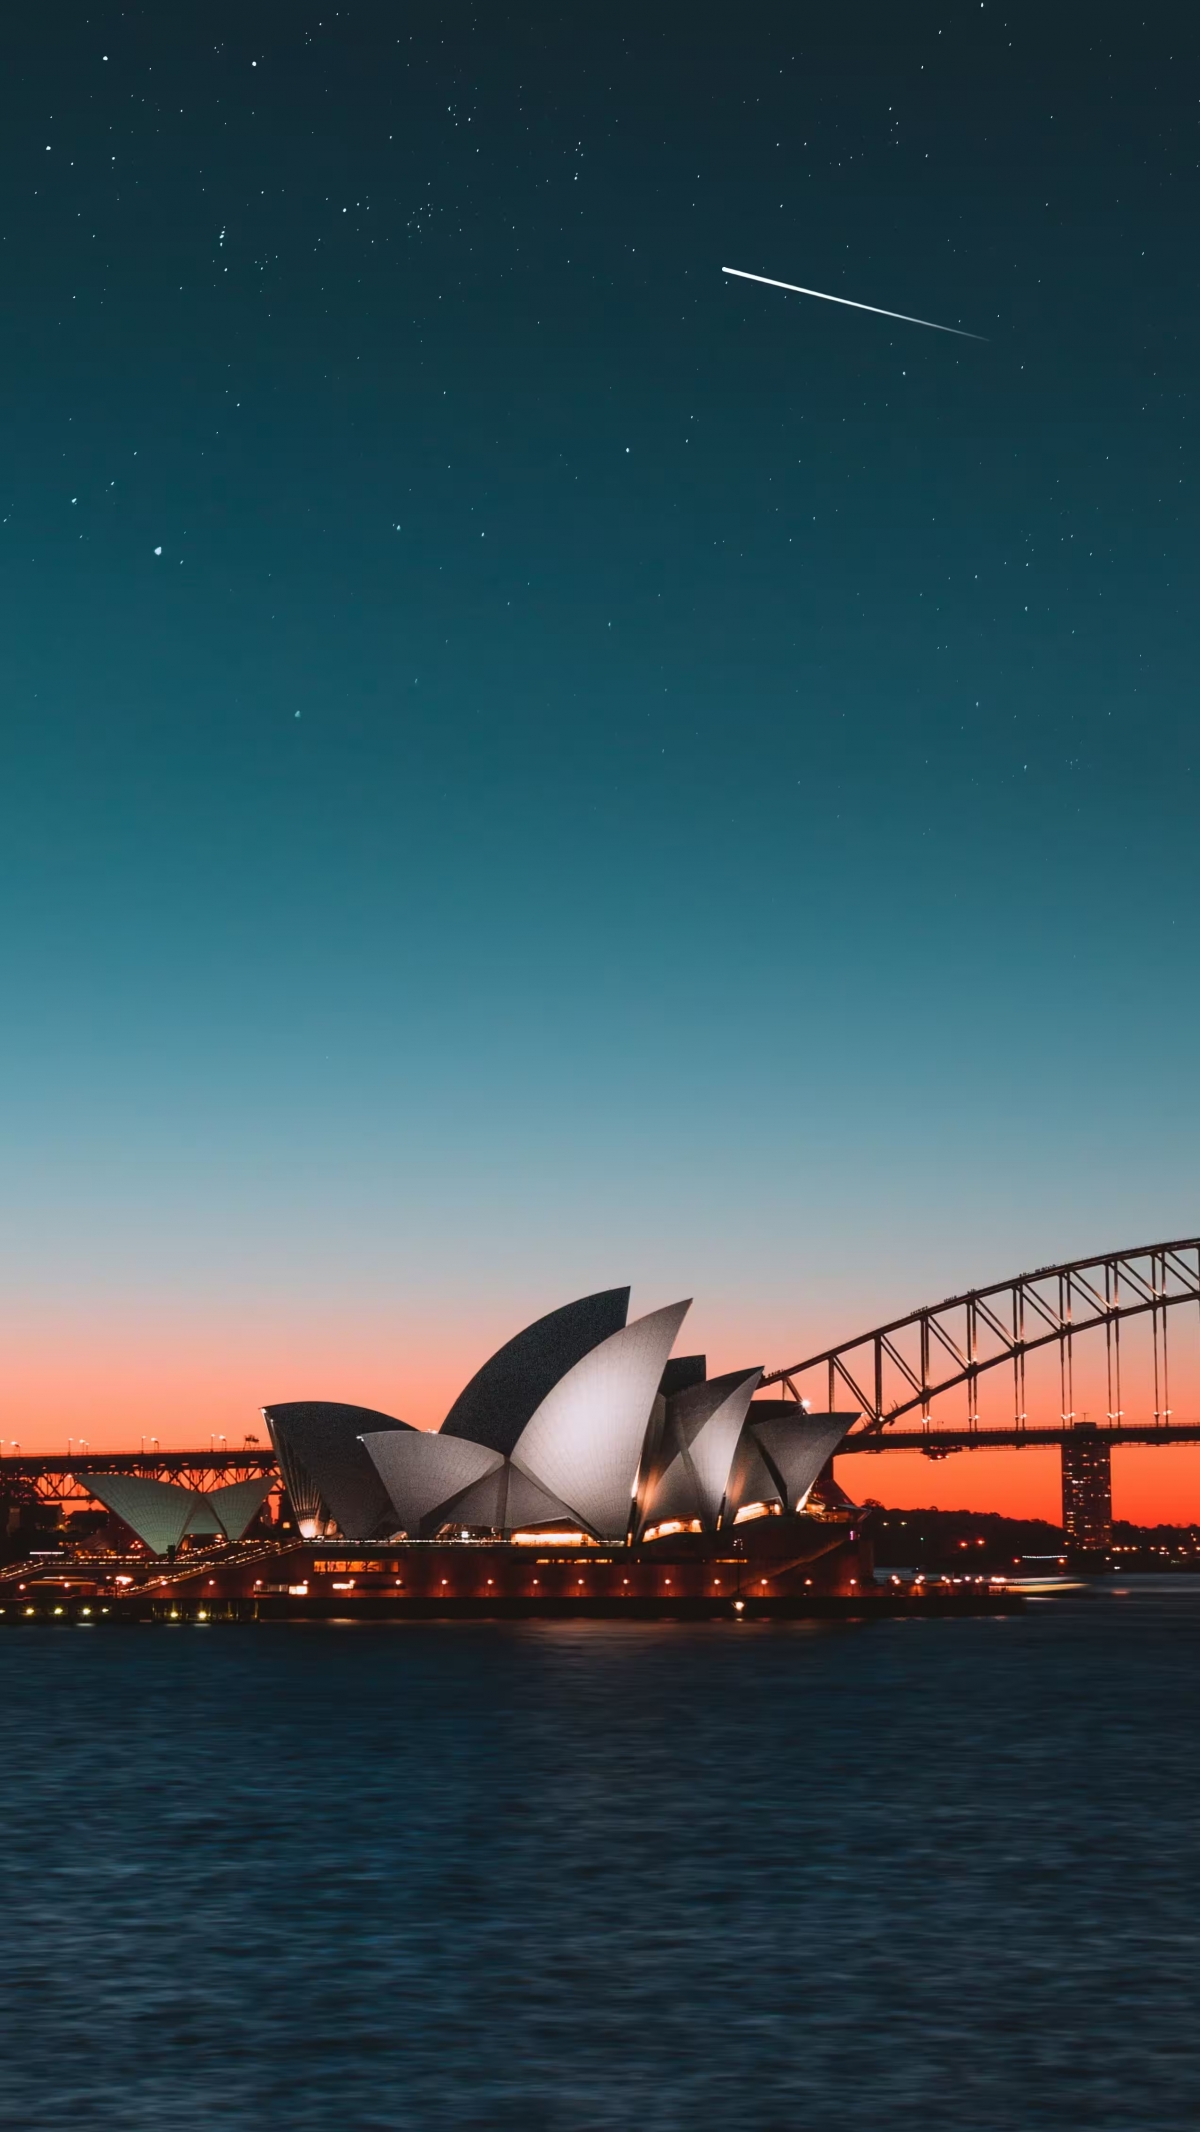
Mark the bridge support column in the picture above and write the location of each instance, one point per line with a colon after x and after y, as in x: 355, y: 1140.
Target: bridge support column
x: 1087, y: 1489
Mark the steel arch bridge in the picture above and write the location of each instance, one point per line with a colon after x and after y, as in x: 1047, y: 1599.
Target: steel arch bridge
x: 900, y: 1368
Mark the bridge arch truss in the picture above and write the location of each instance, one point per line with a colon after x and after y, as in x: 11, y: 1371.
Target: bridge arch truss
x: 901, y: 1368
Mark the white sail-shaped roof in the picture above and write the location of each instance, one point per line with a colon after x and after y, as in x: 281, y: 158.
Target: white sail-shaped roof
x: 319, y: 1446
x: 750, y: 1478
x: 158, y: 1513
x: 236, y: 1505
x: 797, y: 1446
x: 713, y: 1446
x: 528, y: 1503
x: 204, y: 1524
x: 584, y: 1443
x: 421, y: 1471
x: 495, y: 1406
x: 506, y: 1500
x: 700, y: 1437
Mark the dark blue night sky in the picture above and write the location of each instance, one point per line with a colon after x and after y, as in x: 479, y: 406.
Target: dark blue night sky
x: 529, y: 764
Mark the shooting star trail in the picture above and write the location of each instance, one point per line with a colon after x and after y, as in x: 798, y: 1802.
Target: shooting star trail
x: 794, y: 289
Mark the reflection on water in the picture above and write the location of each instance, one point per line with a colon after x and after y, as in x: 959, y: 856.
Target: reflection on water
x: 929, y: 1876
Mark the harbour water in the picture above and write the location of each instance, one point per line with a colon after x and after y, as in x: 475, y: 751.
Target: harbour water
x: 924, y: 1875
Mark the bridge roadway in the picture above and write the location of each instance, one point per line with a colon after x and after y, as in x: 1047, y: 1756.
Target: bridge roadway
x: 940, y: 1442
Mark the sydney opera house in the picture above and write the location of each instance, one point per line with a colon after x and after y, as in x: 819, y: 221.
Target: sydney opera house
x: 582, y: 1423
x: 583, y: 1466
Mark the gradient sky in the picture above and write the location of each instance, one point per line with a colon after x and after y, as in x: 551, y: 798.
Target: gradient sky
x: 528, y: 764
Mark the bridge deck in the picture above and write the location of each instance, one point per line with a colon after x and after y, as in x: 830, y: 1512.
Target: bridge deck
x: 939, y: 1441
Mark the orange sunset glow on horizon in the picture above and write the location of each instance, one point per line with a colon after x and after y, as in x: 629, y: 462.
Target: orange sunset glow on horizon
x: 111, y: 1385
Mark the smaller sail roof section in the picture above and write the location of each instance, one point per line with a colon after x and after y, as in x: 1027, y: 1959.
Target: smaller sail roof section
x: 504, y: 1500
x: 700, y: 1436
x: 481, y: 1503
x: 530, y: 1504
x: 750, y: 1478
x: 501, y: 1397
x: 796, y: 1446
x: 318, y: 1442
x: 157, y: 1512
x: 421, y: 1473
x: 682, y: 1371
x: 584, y: 1444
x: 204, y: 1524
x: 303, y: 1492
x: 241, y: 1502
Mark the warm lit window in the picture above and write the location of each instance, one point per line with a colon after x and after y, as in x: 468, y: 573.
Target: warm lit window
x: 552, y: 1539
